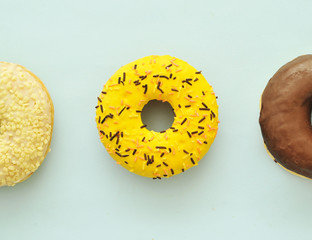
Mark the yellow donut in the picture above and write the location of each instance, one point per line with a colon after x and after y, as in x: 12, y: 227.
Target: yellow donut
x: 149, y: 153
x: 26, y: 122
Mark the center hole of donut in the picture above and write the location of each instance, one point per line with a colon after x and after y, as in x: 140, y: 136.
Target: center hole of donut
x: 157, y: 115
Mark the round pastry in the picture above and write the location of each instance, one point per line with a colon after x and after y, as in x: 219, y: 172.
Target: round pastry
x: 149, y: 153
x: 285, y: 116
x: 26, y: 121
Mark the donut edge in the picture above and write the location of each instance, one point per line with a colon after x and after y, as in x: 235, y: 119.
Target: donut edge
x: 274, y: 159
x: 52, y: 117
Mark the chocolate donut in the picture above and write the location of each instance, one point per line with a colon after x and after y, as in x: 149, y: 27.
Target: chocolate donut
x: 285, y: 116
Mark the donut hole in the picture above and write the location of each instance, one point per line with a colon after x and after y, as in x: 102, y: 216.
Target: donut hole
x: 157, y: 115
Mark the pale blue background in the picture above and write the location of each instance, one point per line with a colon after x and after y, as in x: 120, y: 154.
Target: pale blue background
x: 236, y: 192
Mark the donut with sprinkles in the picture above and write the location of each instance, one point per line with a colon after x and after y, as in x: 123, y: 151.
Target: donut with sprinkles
x: 26, y: 123
x: 157, y: 154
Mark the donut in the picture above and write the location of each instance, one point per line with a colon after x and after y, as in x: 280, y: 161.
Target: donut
x: 26, y: 122
x: 149, y: 153
x: 285, y: 116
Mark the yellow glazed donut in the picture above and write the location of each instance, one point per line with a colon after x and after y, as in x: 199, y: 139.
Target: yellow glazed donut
x: 149, y: 153
x: 26, y: 122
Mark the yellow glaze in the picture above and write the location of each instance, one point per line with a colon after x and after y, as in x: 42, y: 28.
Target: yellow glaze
x: 297, y: 174
x: 26, y: 122
x: 149, y: 153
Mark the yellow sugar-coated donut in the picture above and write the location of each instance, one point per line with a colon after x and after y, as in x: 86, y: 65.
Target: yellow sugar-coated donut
x: 149, y: 153
x: 26, y: 123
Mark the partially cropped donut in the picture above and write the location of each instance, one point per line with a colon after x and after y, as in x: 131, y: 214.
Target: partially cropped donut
x: 285, y: 116
x: 149, y: 153
x: 26, y: 122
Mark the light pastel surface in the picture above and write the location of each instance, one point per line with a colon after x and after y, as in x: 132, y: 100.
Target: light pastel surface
x: 236, y: 191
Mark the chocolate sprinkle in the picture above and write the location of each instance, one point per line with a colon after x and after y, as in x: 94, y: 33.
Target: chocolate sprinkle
x: 185, y: 151
x: 204, y: 105
x: 143, y: 77
x: 137, y: 82
x: 145, y: 88
x: 201, y: 133
x: 134, y: 151
x: 121, y: 111
x: 118, y: 154
x: 165, y: 164
x: 200, y: 127
x: 192, y: 161
x: 172, y: 171
x: 213, y: 114
x: 161, y: 147
x: 143, y: 126
x: 104, y: 92
x: 189, y: 134
x: 159, y: 165
x: 161, y: 155
x: 114, y: 136
x: 100, y: 100
x: 183, y: 121
x: 201, y: 119
x: 158, y: 87
x: 174, y: 112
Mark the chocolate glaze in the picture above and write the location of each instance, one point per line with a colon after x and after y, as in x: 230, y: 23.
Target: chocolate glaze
x: 285, y: 116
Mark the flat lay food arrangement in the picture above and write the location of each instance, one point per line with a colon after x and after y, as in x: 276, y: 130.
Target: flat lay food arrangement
x: 155, y: 120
